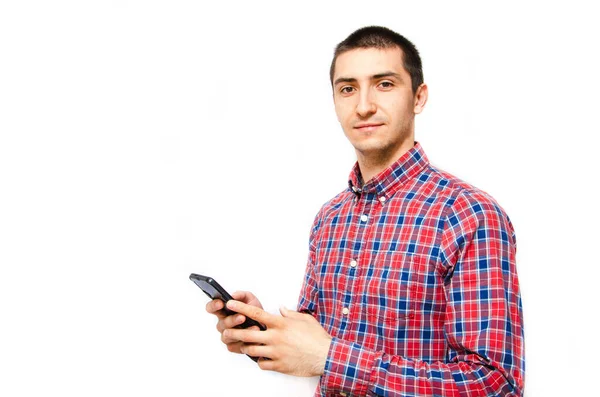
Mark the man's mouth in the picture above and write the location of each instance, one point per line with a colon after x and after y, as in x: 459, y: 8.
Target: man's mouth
x: 367, y: 127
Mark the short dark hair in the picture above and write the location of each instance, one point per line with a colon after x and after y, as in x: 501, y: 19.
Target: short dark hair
x: 382, y: 38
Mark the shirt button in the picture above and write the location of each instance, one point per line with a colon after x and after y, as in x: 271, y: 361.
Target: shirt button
x: 364, y: 218
x: 343, y: 394
x: 345, y: 310
x: 382, y: 199
x: 353, y: 263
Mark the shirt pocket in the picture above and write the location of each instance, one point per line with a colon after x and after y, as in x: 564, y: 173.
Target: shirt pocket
x: 393, y: 288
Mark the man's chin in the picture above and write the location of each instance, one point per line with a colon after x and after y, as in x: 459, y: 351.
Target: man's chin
x: 378, y: 151
x: 367, y: 143
x: 371, y: 150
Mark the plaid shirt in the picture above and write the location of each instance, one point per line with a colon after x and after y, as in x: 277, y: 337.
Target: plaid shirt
x: 414, y: 277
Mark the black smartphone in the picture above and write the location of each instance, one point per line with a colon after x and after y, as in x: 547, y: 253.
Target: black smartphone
x: 215, y: 291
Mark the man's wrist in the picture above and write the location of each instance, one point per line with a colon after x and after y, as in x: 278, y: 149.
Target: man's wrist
x: 322, y: 361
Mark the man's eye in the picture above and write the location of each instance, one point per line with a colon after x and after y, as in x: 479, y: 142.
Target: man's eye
x: 346, y: 90
x: 386, y: 84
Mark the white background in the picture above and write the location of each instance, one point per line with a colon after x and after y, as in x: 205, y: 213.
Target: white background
x: 145, y: 140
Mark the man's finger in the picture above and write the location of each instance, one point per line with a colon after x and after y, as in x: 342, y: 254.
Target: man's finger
x: 285, y: 312
x: 233, y: 321
x: 267, y: 365
x: 228, y: 341
x: 257, y: 350
x: 216, y: 307
x: 254, y: 313
x: 246, y: 297
x: 243, y: 296
x: 235, y: 347
x: 245, y: 335
x: 229, y: 322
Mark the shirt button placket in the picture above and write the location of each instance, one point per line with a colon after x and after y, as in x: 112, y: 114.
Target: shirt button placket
x: 363, y: 219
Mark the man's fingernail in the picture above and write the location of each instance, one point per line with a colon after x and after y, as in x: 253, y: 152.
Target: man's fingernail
x: 226, y: 333
x: 231, y: 305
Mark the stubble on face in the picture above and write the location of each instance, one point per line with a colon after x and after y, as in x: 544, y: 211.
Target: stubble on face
x: 382, y: 146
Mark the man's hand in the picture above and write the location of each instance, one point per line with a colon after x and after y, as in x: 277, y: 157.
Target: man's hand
x: 293, y: 344
x: 216, y: 307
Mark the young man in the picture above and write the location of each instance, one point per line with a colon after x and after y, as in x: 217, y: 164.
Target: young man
x: 411, y: 286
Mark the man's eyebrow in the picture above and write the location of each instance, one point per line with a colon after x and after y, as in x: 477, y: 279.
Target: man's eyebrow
x: 386, y: 74
x: 344, y: 80
x: 373, y: 77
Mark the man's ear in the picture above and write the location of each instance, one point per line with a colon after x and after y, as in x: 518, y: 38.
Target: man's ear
x: 421, y: 98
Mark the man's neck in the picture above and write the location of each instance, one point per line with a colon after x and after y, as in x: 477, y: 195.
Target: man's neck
x: 373, y: 164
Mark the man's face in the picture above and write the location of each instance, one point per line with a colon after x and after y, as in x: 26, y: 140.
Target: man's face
x: 374, y: 101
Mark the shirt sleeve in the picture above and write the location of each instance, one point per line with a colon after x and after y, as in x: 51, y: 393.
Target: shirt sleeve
x: 484, y: 324
x: 307, y: 302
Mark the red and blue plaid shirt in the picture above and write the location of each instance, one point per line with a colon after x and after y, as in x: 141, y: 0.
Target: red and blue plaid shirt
x: 414, y: 277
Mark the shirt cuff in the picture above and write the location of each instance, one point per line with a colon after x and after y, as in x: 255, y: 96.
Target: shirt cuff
x: 348, y: 369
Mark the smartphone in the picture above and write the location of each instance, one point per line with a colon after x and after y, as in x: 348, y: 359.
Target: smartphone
x: 215, y: 291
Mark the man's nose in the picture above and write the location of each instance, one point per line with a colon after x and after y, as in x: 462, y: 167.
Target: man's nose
x: 366, y: 105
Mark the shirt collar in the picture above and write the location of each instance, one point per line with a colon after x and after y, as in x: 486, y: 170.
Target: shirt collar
x: 387, y: 182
